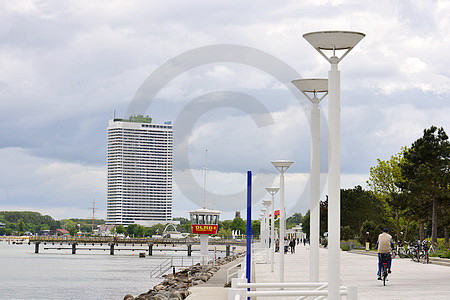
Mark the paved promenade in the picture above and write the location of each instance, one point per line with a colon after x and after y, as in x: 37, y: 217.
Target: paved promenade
x: 409, y: 280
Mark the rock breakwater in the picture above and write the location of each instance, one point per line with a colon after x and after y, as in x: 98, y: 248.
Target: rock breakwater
x: 176, y: 286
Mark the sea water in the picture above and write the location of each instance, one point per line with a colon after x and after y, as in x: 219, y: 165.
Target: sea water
x: 53, y: 274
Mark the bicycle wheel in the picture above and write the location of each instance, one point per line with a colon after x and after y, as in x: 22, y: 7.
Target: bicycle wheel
x: 384, y: 275
x: 425, y: 258
x: 422, y: 258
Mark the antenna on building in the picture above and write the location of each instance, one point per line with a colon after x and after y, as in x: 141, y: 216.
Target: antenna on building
x: 205, y: 169
x: 114, y: 114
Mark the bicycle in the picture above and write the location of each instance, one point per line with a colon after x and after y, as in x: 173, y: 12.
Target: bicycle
x: 414, y: 252
x: 384, y: 269
x: 424, y: 257
x: 399, y: 251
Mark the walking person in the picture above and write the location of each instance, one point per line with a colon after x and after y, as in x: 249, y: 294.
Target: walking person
x: 367, y: 241
x: 286, y: 245
x: 292, y: 245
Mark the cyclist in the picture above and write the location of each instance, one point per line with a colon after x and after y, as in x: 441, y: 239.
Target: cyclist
x: 384, y: 246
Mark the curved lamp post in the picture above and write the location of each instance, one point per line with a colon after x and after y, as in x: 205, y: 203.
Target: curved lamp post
x: 332, y: 41
x: 282, y: 166
x: 315, y: 90
x: 272, y: 191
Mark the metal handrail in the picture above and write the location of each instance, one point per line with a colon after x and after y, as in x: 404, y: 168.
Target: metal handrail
x: 232, y: 267
x: 168, y: 263
x: 159, y: 268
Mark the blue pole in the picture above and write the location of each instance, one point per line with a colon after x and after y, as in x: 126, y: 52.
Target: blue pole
x: 249, y: 225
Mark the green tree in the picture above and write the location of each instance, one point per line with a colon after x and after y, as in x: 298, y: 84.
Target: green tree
x: 384, y: 180
x: 120, y: 229
x: 346, y: 233
x: 224, y: 232
x: 358, y: 205
x: 226, y: 224
x: 294, y: 220
x: 139, y: 231
x: 306, y: 224
x: 238, y: 224
x: 256, y: 228
x: 20, y: 225
x: 426, y: 173
x: 372, y: 229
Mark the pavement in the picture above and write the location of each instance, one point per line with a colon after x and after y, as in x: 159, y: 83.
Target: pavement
x: 214, y: 287
x: 409, y: 280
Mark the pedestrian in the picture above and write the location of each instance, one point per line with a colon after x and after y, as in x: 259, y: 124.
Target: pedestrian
x: 286, y: 245
x: 367, y: 241
x: 304, y: 242
x: 292, y: 245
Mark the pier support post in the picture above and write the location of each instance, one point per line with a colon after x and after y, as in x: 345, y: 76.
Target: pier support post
x: 36, y: 247
x: 111, y: 249
x: 150, y: 249
x: 74, y: 248
x: 189, y: 250
x: 227, y: 251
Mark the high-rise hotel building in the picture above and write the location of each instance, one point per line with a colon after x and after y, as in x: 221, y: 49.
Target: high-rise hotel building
x: 139, y: 171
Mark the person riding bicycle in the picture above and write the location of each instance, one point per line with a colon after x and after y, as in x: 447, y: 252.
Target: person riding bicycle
x: 384, y: 246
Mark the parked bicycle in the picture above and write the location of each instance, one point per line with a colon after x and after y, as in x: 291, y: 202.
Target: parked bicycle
x: 424, y: 253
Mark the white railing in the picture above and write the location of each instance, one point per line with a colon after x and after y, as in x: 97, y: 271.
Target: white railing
x: 230, y: 274
x: 173, y: 261
x: 239, y: 290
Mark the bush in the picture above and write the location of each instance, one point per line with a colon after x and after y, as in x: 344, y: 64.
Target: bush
x: 441, y: 254
x: 350, y: 244
x: 345, y: 246
x: 346, y: 233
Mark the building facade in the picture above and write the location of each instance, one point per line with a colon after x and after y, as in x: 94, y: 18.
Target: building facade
x: 139, y: 171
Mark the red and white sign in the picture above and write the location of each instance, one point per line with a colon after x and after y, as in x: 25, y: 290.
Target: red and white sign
x: 204, y: 229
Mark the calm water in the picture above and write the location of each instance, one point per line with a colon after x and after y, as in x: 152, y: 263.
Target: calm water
x: 55, y: 274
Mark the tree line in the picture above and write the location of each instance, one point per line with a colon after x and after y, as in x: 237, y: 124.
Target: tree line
x: 409, y: 194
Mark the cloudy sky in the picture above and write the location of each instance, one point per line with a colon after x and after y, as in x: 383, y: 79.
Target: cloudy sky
x: 66, y: 66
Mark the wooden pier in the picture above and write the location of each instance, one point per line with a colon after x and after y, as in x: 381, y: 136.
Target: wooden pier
x: 133, y: 244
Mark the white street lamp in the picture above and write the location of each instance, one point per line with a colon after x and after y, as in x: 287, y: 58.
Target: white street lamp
x: 272, y: 191
x: 267, y: 204
x: 323, y: 41
x: 315, y: 90
x: 282, y: 166
x: 262, y: 228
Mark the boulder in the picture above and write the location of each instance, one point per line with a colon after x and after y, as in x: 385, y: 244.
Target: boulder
x: 128, y: 297
x: 159, y: 287
x: 197, y: 282
x: 175, y: 295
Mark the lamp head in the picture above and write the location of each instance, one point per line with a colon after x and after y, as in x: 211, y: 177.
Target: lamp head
x: 334, y: 40
x: 267, y: 203
x: 312, y: 86
x: 282, y: 165
x: 272, y: 190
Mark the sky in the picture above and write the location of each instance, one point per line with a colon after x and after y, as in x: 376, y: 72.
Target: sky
x: 67, y: 67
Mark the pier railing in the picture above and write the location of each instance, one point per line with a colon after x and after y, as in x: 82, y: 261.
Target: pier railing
x: 174, y: 262
x: 72, y: 239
